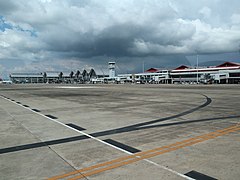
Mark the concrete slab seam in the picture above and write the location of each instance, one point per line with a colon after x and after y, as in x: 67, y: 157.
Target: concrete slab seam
x: 92, y: 137
x: 95, y: 169
x: 33, y: 133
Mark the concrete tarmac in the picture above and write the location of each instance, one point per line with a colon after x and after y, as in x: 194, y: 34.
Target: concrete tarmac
x: 133, y: 132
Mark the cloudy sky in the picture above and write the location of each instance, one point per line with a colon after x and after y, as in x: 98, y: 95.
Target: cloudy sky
x: 49, y: 35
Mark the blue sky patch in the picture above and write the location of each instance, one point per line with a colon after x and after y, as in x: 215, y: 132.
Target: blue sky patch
x: 5, y: 25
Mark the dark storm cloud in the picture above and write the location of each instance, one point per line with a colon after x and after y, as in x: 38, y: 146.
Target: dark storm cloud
x: 116, y: 40
x: 7, y: 7
x: 121, y: 40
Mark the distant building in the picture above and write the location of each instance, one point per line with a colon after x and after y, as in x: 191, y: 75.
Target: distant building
x: 53, y: 77
x: 26, y: 77
x: 111, y: 68
x: 228, y: 73
x: 149, y: 76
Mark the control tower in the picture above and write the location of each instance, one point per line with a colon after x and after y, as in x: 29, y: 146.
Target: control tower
x: 111, y: 68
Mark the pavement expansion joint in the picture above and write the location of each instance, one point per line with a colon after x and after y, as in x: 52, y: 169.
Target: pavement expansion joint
x: 123, y: 161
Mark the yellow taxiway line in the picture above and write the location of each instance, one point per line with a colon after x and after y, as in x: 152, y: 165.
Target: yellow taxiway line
x: 95, y: 169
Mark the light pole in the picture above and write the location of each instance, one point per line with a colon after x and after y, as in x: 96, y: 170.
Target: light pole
x: 143, y: 66
x: 197, y: 68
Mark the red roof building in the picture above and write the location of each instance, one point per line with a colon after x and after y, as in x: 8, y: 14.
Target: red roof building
x: 229, y: 64
x: 182, y: 67
x: 152, y: 70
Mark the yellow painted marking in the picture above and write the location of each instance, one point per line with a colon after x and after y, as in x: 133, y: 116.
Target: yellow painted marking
x: 105, y: 169
x: 144, y: 155
x: 91, y: 167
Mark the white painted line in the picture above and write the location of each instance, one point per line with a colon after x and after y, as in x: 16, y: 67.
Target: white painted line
x: 101, y: 141
x: 88, y: 135
x: 170, y: 170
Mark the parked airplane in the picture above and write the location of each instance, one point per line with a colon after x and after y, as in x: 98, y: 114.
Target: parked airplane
x: 5, y: 81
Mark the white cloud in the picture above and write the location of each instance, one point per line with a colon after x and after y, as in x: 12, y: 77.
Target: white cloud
x: 145, y: 48
x: 206, y: 12
x: 235, y: 18
x: 4, y: 44
x: 19, y: 45
x: 128, y: 28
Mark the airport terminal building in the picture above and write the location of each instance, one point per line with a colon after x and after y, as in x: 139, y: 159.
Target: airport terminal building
x: 53, y: 77
x: 226, y: 73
